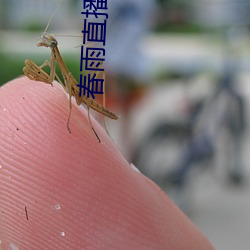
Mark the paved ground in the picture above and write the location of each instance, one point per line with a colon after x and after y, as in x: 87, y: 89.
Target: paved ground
x: 222, y: 211
x: 223, y: 215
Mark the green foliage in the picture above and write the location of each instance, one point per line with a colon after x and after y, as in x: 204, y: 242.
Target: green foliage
x: 10, y: 68
x: 34, y: 26
x: 178, y: 28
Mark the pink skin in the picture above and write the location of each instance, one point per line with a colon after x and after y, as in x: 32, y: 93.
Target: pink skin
x: 78, y: 193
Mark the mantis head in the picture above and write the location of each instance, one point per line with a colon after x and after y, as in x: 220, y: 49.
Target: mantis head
x: 47, y: 40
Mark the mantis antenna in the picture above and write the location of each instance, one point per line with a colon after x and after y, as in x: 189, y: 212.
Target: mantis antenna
x: 53, y: 14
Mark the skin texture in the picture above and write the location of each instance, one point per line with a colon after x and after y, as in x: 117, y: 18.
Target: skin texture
x: 78, y: 193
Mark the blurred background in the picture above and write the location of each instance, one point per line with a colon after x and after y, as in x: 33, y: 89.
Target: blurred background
x: 178, y: 74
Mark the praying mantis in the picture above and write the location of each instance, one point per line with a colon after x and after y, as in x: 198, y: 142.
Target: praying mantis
x: 35, y: 72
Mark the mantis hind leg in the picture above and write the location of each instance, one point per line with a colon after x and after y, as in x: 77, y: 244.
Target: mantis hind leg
x: 70, y: 88
x: 70, y: 108
x: 92, y: 127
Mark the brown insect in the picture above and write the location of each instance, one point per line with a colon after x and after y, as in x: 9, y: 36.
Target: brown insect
x: 35, y: 72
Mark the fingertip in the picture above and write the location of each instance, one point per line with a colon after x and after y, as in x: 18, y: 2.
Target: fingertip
x: 68, y: 191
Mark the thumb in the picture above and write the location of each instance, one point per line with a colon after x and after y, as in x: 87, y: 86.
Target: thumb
x: 61, y: 190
